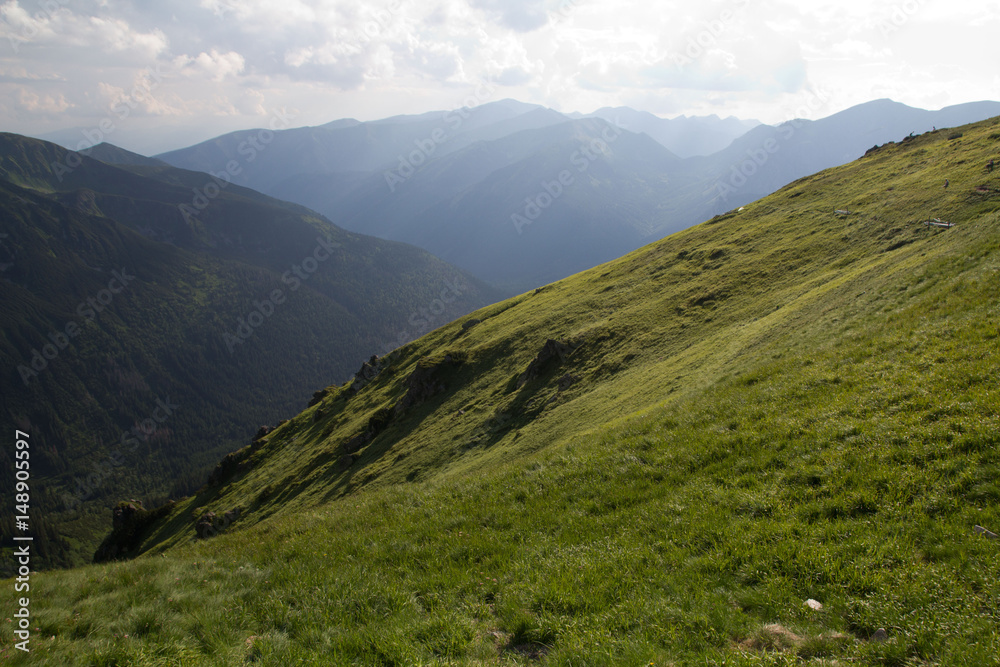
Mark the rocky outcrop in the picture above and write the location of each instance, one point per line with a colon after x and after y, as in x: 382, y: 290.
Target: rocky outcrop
x: 130, y: 523
x: 368, y: 372
x: 127, y: 515
x: 234, y: 463
x: 553, y: 353
x: 425, y: 381
x: 210, y: 524
x: 318, y: 396
x: 357, y: 442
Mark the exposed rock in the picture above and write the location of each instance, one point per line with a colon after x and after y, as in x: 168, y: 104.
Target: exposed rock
x: 425, y: 381
x: 368, y: 372
x: 232, y: 464
x: 319, y: 396
x: 814, y: 604
x: 553, y: 352
x: 379, y: 420
x: 880, y: 635
x: 567, y: 381
x: 986, y: 533
x: 205, y: 526
x: 130, y: 522
x: 357, y: 442
x: 126, y: 515
x: 210, y: 524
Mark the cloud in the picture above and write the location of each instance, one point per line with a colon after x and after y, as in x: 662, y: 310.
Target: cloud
x: 513, y: 76
x: 518, y: 15
x: 216, y: 66
x: 45, y: 104
x: 240, y: 59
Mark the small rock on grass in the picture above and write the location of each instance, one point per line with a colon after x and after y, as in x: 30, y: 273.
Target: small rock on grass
x: 814, y: 604
x: 988, y: 533
x: 880, y: 635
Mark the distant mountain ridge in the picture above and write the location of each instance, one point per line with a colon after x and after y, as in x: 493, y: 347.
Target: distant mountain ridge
x: 464, y: 184
x: 114, y: 301
x: 684, y: 136
x: 781, y: 415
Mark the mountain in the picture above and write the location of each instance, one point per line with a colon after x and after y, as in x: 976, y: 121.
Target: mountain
x: 500, y: 208
x: 771, y: 437
x: 147, y: 297
x: 464, y: 192
x: 111, y: 154
x: 767, y: 158
x: 276, y: 158
x: 684, y: 136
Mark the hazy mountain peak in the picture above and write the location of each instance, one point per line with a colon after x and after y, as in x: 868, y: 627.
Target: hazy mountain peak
x: 111, y: 154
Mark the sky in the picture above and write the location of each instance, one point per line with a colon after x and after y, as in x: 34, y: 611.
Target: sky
x: 152, y: 76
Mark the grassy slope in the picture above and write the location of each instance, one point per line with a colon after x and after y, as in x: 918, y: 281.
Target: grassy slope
x: 162, y: 337
x: 776, y: 405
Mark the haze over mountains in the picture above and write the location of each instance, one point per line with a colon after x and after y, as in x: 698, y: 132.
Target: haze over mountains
x: 766, y: 439
x: 123, y: 293
x: 481, y: 188
x: 507, y: 194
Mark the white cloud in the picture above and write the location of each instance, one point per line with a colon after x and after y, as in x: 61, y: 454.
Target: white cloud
x: 216, y: 66
x: 239, y: 59
x: 44, y: 104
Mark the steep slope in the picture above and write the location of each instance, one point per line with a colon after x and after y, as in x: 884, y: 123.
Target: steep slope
x: 116, y: 305
x: 465, y: 184
x: 669, y: 318
x: 659, y: 460
x: 652, y: 461
x: 767, y: 158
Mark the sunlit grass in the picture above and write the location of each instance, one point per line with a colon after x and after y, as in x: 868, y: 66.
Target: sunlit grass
x: 806, y: 415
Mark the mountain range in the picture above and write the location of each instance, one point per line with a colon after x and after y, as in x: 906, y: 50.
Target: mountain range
x: 770, y: 438
x: 154, y: 317
x: 480, y: 188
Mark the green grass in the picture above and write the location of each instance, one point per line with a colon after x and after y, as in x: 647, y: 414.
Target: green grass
x: 773, y: 406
